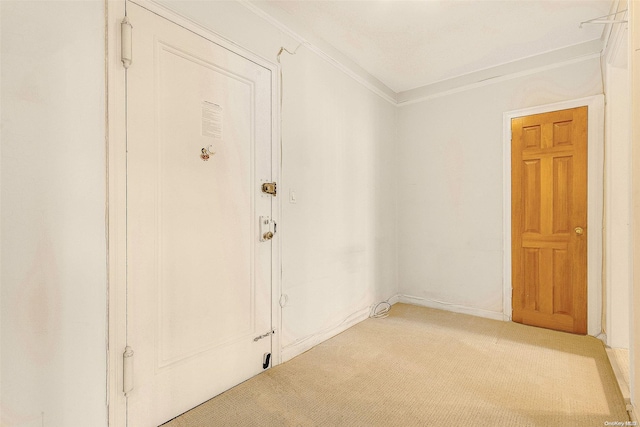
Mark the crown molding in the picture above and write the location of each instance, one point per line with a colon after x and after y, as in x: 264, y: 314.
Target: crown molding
x: 514, y: 69
x: 530, y: 65
x: 329, y: 54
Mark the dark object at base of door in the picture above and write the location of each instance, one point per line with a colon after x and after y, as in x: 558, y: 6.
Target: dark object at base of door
x: 266, y: 360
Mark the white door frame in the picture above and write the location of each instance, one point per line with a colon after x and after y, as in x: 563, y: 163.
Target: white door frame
x: 116, y: 194
x: 595, y: 202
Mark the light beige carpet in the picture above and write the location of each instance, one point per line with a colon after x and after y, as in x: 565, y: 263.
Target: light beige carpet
x: 425, y: 367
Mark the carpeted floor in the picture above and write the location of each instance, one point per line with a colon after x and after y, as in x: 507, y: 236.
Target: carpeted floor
x: 425, y: 367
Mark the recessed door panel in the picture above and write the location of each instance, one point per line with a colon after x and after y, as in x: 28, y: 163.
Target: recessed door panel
x: 563, y: 297
x: 562, y: 134
x: 562, y: 193
x: 531, y: 137
x: 205, y: 244
x: 531, y: 267
x: 532, y: 196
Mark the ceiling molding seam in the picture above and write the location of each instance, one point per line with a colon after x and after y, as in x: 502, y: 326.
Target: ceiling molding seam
x: 608, y: 28
x: 614, y: 45
x: 498, y: 79
x: 557, y: 56
x: 613, y: 40
x: 398, y: 99
x: 322, y: 54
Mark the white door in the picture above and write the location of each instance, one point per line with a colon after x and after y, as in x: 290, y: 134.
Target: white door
x: 198, y: 274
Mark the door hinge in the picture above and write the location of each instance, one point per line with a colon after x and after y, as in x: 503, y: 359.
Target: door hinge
x: 127, y: 370
x: 259, y: 337
x: 269, y: 188
x: 125, y: 45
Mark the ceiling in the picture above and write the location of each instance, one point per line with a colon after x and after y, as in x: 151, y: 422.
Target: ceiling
x: 413, y: 44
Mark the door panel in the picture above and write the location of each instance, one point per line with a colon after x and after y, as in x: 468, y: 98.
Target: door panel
x: 562, y: 193
x: 198, y: 277
x: 214, y: 206
x: 549, y: 200
x: 531, y: 193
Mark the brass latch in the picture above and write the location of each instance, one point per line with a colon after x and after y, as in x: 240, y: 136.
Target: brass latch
x: 267, y: 228
x: 269, y: 188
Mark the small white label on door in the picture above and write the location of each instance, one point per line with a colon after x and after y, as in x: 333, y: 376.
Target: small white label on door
x: 211, y: 120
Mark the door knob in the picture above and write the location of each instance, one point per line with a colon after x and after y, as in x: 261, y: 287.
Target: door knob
x: 579, y: 231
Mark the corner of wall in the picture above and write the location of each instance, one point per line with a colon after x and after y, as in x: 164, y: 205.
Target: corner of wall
x: 634, y: 65
x: 298, y: 347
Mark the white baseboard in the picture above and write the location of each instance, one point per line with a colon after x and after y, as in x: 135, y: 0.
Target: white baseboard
x: 602, y: 336
x: 394, y: 299
x: 292, y: 350
x: 424, y: 302
x: 631, y: 410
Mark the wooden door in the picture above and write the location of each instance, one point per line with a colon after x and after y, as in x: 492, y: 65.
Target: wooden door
x: 549, y: 220
x: 198, y: 274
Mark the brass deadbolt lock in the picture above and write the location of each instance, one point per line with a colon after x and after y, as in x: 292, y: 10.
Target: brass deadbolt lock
x: 269, y: 188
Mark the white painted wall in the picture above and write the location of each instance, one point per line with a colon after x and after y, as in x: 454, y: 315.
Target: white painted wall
x: 451, y: 187
x: 338, y: 240
x: 618, y: 197
x: 53, y: 248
